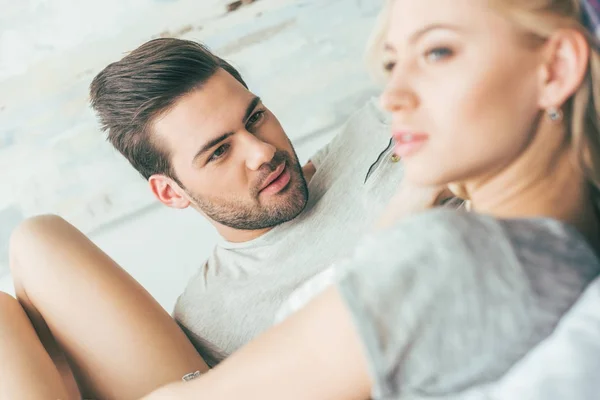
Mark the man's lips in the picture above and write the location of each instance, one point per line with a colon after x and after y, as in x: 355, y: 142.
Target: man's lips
x: 273, y: 176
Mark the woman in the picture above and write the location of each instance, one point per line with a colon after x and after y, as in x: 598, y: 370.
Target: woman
x: 499, y: 98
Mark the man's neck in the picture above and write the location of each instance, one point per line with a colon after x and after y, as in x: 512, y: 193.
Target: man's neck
x: 238, y: 235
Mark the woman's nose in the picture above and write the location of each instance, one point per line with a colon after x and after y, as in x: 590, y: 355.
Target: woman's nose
x: 397, y: 98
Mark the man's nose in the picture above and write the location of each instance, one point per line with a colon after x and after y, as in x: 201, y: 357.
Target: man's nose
x: 258, y: 152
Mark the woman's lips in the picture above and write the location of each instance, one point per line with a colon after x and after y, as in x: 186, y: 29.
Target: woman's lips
x: 408, y: 143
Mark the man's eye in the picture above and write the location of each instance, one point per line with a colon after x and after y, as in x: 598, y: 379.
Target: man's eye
x: 438, y: 54
x: 256, y: 117
x: 220, y: 152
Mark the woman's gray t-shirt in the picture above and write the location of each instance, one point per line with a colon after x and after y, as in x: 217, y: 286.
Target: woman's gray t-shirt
x: 448, y: 299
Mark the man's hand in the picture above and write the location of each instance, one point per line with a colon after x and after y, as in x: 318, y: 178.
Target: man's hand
x: 412, y: 199
x: 308, y: 170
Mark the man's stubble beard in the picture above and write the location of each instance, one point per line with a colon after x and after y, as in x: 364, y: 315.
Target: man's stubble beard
x: 239, y: 214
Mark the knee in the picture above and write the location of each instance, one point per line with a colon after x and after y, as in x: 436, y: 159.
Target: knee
x: 8, y: 302
x: 34, y: 228
x: 28, y: 235
x: 12, y: 315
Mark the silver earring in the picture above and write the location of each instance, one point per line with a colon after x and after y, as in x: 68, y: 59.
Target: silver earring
x: 555, y: 114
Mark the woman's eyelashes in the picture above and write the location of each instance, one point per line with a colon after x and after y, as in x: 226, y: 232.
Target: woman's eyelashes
x: 432, y: 55
x: 438, y: 53
x: 388, y: 66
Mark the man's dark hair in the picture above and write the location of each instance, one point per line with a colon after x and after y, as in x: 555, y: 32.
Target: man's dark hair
x: 130, y: 94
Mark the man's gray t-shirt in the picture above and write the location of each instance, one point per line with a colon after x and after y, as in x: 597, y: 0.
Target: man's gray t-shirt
x: 449, y: 299
x: 236, y: 294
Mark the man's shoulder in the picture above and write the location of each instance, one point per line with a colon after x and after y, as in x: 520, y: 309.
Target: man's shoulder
x: 229, y: 263
x: 369, y: 119
x: 356, y: 146
x: 202, y: 296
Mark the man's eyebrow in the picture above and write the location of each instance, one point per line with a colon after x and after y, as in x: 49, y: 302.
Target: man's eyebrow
x: 251, y: 108
x: 210, y: 144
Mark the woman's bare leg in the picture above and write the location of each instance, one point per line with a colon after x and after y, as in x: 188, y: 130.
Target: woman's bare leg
x: 119, y: 342
x: 26, y: 370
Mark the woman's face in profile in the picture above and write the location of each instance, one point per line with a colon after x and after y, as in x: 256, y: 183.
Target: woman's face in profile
x: 462, y: 87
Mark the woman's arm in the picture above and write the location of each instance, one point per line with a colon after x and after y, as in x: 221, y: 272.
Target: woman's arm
x: 409, y: 200
x: 315, y: 354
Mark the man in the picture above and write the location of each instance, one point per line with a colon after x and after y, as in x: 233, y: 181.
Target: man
x: 187, y: 122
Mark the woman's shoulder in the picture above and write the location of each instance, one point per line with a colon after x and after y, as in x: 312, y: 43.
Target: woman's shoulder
x: 446, y: 223
x: 456, y: 273
x: 441, y: 226
x: 448, y: 237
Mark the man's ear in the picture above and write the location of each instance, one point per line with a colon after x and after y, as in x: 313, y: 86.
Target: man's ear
x: 168, y: 192
x: 566, y: 59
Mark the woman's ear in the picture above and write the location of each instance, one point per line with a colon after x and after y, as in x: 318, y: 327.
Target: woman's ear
x: 566, y: 59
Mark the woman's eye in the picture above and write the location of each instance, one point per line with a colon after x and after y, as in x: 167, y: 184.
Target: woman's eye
x: 389, y: 66
x: 219, y: 153
x: 255, y: 118
x: 437, y: 54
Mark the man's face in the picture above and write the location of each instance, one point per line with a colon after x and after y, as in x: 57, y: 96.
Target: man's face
x: 235, y: 162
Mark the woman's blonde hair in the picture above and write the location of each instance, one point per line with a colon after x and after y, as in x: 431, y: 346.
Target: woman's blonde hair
x: 539, y: 19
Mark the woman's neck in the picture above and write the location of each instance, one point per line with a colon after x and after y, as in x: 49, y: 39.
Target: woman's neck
x: 552, y: 188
